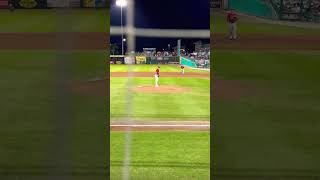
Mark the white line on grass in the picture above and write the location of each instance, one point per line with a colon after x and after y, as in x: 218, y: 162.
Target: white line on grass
x: 159, y: 125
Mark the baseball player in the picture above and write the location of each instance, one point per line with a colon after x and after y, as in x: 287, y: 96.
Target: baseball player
x: 182, y: 69
x: 156, y: 76
x: 232, y: 21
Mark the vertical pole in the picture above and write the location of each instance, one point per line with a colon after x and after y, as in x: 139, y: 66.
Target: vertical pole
x: 131, y: 42
x: 121, y: 33
x: 301, y: 9
x: 178, y: 50
x: 281, y: 9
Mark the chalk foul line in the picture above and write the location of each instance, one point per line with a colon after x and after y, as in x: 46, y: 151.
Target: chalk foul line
x: 160, y: 125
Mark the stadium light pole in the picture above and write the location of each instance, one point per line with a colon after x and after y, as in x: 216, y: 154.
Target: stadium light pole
x: 121, y: 4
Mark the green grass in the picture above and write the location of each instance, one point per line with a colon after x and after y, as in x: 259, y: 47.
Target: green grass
x: 194, y: 105
x: 34, y: 143
x: 163, y: 155
x: 218, y: 24
x: 51, y: 20
x: 29, y: 130
x: 150, y: 68
x: 274, y: 130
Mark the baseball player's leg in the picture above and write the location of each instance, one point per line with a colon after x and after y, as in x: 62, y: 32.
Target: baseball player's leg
x: 230, y: 31
x: 156, y: 80
x: 234, y: 31
x: 182, y: 71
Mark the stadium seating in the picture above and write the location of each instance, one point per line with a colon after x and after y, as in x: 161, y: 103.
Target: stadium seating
x: 297, y: 9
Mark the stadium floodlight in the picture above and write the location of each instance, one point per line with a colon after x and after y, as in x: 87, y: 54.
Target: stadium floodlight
x: 121, y: 4
x: 124, y: 40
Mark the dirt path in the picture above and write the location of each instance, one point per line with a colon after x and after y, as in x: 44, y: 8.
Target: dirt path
x: 99, y: 40
x: 266, y: 42
x: 222, y: 89
x: 162, y: 74
x: 231, y: 89
x: 160, y: 126
x: 47, y: 41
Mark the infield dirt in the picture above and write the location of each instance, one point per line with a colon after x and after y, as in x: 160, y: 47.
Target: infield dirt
x: 160, y: 126
x: 59, y: 41
x: 266, y: 42
x: 99, y: 40
x: 223, y: 89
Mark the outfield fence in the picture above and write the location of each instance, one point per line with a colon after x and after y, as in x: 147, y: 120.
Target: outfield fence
x: 114, y: 59
x: 133, y: 32
x: 142, y: 59
x: 297, y: 10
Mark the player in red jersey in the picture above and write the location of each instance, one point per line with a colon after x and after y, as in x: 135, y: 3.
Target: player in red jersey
x: 232, y: 21
x: 156, y: 76
x: 182, y: 69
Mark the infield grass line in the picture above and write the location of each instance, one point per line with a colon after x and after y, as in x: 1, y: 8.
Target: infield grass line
x: 158, y: 125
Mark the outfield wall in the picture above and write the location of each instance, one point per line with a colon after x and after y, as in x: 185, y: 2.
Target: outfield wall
x: 260, y: 8
x: 299, y: 10
x: 141, y: 59
x: 188, y: 62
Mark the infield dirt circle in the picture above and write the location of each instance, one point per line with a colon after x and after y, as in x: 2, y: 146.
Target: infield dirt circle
x: 161, y: 89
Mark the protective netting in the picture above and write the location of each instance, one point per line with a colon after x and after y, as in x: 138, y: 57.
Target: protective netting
x: 131, y: 33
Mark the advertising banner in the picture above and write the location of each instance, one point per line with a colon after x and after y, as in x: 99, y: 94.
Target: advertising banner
x: 89, y: 3
x: 30, y: 4
x: 63, y: 3
x: 141, y: 59
x: 129, y: 60
x: 94, y: 3
x: 117, y: 60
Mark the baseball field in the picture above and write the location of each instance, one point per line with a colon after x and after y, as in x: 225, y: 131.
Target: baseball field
x: 49, y: 129
x: 266, y: 104
x: 266, y: 107
x: 168, y: 142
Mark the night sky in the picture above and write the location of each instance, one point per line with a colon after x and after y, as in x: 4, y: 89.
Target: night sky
x: 165, y: 14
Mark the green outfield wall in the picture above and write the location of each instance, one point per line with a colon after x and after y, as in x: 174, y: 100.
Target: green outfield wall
x: 188, y: 62
x: 260, y: 8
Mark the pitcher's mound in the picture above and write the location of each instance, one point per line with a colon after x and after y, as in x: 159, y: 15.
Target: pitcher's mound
x: 160, y: 89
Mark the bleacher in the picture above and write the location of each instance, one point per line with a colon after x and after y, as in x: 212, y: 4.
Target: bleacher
x: 306, y: 10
